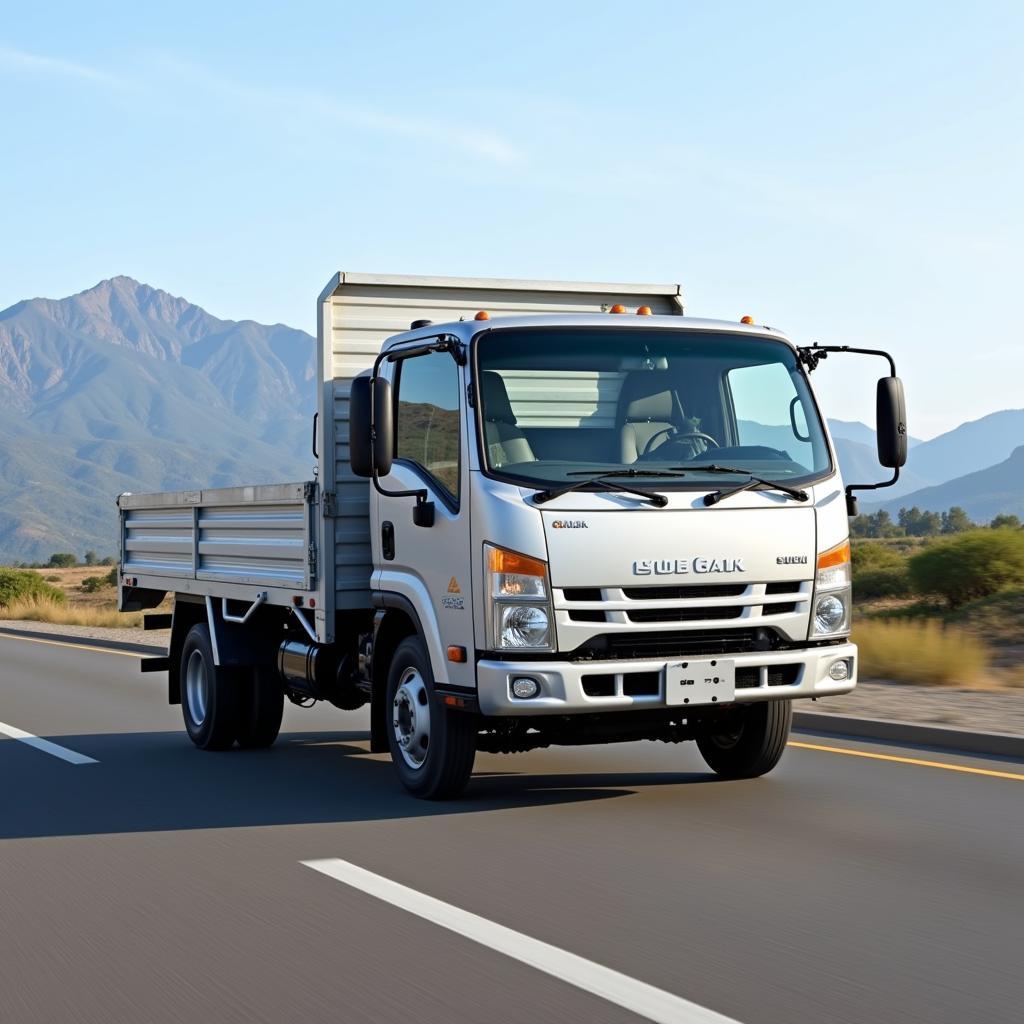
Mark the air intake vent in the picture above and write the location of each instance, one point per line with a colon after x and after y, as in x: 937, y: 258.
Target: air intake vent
x: 787, y: 587
x: 678, y: 593
x: 683, y: 614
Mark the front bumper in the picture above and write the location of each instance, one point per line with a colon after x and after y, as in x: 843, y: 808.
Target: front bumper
x: 562, y: 682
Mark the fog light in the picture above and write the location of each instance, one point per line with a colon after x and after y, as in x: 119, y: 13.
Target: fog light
x: 839, y: 670
x: 524, y: 687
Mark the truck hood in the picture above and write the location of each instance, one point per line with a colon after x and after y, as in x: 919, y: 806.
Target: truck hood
x: 640, y: 547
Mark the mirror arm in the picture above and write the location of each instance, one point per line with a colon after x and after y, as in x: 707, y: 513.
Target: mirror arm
x: 811, y: 355
x: 851, y: 498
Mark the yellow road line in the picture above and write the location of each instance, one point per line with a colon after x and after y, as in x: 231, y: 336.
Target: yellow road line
x: 966, y: 769
x: 65, y: 643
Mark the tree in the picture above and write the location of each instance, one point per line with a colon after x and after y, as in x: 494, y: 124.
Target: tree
x: 1005, y: 521
x: 920, y: 524
x: 91, y: 558
x: 62, y: 560
x: 956, y: 521
x: 970, y: 565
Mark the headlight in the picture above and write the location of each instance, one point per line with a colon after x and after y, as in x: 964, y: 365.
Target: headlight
x: 518, y: 597
x: 832, y: 593
x: 524, y: 625
x: 829, y: 614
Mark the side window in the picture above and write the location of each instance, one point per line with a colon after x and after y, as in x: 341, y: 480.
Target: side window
x: 770, y: 411
x: 427, y: 417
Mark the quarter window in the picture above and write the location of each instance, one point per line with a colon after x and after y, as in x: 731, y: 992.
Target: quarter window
x: 427, y: 419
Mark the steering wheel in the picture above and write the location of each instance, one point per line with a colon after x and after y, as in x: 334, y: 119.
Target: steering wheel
x: 676, y: 438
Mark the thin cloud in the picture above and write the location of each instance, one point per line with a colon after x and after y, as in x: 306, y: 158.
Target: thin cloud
x: 34, y: 63
x: 479, y: 142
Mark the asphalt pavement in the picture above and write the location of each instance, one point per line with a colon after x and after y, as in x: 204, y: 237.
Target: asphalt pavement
x: 153, y: 882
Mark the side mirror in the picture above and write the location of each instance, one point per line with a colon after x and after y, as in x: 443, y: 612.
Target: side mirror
x: 891, y: 423
x: 371, y: 427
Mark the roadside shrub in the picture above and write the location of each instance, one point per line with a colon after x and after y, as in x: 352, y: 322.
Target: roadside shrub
x: 883, y: 581
x: 19, y: 584
x: 111, y: 577
x: 879, y: 571
x: 998, y: 618
x: 926, y: 653
x: 92, y: 584
x: 970, y: 565
x: 62, y: 560
x: 872, y: 555
x: 41, y: 608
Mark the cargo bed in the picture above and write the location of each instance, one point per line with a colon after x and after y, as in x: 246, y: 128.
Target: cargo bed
x: 235, y: 542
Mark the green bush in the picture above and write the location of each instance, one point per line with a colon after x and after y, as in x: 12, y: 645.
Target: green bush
x: 970, y: 565
x: 91, y: 584
x: 883, y: 581
x: 62, y: 560
x: 19, y: 584
x: 998, y: 618
x: 872, y: 555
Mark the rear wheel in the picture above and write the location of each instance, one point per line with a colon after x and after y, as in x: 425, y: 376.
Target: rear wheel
x: 260, y: 707
x: 209, y: 693
x: 432, y: 747
x: 748, y: 741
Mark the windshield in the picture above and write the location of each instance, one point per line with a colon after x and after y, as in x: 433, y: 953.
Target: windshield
x: 559, y: 403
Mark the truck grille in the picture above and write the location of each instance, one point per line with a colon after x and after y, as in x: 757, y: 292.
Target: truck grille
x: 676, y: 644
x: 682, y: 603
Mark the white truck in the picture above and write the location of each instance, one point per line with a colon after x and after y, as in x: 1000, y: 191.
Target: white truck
x: 542, y: 513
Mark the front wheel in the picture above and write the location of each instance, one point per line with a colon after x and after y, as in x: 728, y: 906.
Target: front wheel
x: 432, y: 747
x: 749, y: 740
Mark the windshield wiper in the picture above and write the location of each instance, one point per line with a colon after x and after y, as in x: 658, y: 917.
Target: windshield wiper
x: 748, y: 485
x: 609, y: 481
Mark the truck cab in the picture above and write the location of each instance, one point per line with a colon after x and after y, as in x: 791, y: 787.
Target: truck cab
x: 603, y: 523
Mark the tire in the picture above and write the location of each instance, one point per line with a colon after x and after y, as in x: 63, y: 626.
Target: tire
x: 749, y: 745
x: 209, y: 694
x: 260, y: 708
x: 436, y: 758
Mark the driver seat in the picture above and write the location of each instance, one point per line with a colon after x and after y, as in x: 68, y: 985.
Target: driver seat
x: 647, y: 406
x: 506, y: 440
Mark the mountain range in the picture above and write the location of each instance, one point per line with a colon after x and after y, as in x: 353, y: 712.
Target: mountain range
x: 126, y: 387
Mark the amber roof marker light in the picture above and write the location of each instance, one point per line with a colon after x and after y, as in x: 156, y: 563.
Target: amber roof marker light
x: 644, y: 311
x: 482, y: 315
x: 617, y: 308
x: 746, y: 319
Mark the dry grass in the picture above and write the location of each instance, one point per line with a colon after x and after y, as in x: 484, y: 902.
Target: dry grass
x: 923, y: 652
x: 42, y: 609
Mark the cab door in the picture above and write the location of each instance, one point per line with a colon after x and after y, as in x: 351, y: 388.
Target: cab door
x: 430, y: 565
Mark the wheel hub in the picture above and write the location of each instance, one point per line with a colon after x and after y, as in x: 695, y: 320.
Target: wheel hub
x: 411, y: 718
x: 197, y: 687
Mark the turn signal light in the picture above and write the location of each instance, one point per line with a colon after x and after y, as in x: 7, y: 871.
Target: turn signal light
x: 500, y: 560
x: 644, y: 311
x: 746, y: 319
x: 834, y: 556
x: 482, y: 315
x: 617, y: 308
x: 457, y: 654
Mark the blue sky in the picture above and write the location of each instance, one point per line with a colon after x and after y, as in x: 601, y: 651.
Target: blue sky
x: 851, y: 173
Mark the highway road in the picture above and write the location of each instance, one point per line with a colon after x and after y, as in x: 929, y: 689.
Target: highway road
x: 153, y: 882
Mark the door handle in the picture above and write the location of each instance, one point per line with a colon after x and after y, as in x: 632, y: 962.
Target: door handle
x: 387, y: 540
